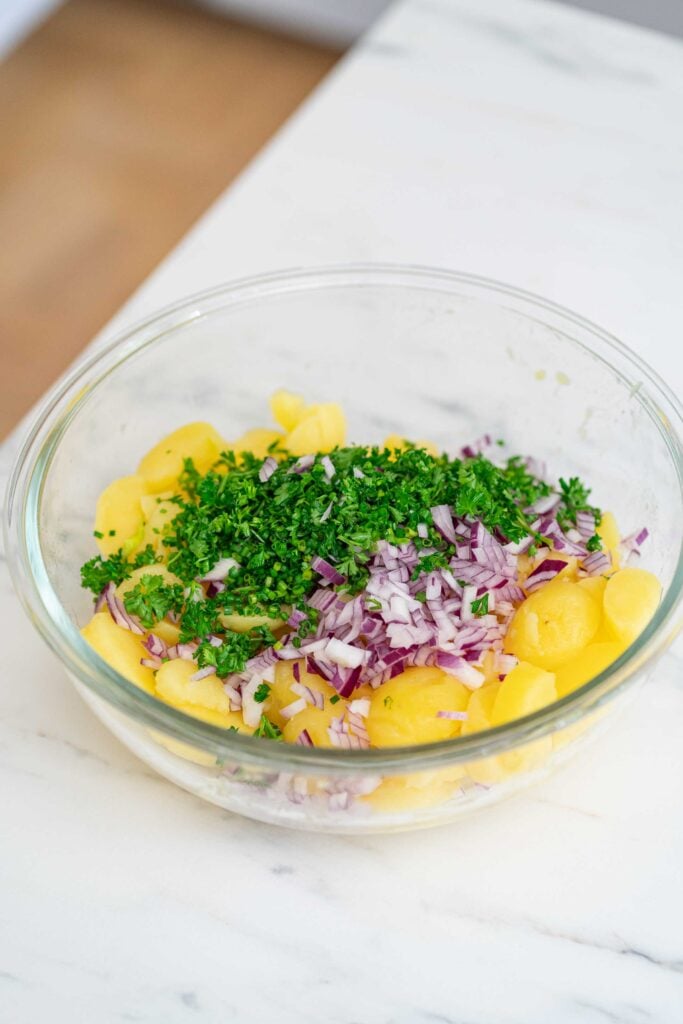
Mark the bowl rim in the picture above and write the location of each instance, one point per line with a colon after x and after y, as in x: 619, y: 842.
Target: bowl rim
x: 62, y: 403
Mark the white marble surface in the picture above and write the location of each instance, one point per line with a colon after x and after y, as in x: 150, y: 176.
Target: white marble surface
x: 511, y: 138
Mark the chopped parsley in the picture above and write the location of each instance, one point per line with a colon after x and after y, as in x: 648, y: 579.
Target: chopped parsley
x: 267, y: 729
x: 99, y: 571
x: 575, y: 496
x: 335, y: 698
x: 480, y: 606
x: 152, y: 599
x: 261, y: 693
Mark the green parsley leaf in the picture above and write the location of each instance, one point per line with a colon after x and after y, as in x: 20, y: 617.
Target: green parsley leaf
x: 268, y: 730
x: 481, y: 605
x: 261, y: 693
x: 151, y: 599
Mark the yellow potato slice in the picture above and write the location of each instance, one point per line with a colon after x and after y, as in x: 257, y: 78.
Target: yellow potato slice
x: 176, y: 686
x: 163, y: 464
x: 553, y: 624
x: 287, y: 409
x: 395, y: 441
x: 322, y: 428
x: 257, y: 442
x: 631, y: 599
x: 589, y: 663
x: 118, y: 514
x: 404, y: 710
x: 524, y: 690
x: 119, y: 648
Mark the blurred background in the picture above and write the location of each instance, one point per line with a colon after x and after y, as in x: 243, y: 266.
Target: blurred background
x: 121, y: 121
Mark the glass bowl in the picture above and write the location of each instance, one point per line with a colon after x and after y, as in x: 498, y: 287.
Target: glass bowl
x: 423, y: 353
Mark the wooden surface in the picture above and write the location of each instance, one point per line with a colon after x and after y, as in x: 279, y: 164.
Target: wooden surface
x: 120, y: 121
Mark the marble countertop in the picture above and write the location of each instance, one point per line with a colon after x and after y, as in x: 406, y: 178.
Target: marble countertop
x: 512, y: 138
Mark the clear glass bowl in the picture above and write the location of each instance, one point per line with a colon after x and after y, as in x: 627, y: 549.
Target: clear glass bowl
x: 425, y: 353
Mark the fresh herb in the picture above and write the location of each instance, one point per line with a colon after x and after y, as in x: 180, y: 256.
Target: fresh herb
x: 98, y: 572
x: 335, y: 698
x: 594, y: 543
x: 480, y: 606
x: 261, y: 693
x: 575, y: 496
x: 267, y: 729
x: 388, y: 702
x: 98, y: 534
x: 152, y: 598
x: 234, y: 651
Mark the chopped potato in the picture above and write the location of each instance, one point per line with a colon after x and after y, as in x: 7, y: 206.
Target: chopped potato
x: 631, y: 599
x: 164, y: 463
x: 404, y: 710
x: 119, y: 516
x: 119, y: 648
x: 553, y: 624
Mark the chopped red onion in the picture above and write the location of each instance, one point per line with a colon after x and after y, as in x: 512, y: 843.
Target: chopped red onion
x: 455, y: 716
x: 461, y: 669
x: 289, y: 710
x: 423, y: 531
x: 267, y: 469
x: 302, y: 464
x: 470, y: 451
x: 585, y: 524
x: 155, y: 645
x: 545, y: 504
x: 345, y: 655
x: 326, y: 514
x: 327, y: 571
x: 153, y: 663
x: 309, y: 695
x: 443, y: 521
x: 358, y: 473
x: 118, y: 611
x: 220, y: 570
x: 546, y: 571
x: 304, y: 739
x: 597, y: 563
x: 204, y: 673
x: 328, y: 466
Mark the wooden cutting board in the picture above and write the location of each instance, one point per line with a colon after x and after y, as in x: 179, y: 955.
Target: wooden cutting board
x: 121, y: 121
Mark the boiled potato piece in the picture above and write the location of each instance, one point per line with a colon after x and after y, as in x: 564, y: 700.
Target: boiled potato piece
x: 257, y: 442
x: 322, y: 428
x: 631, y: 599
x: 524, y: 690
x: 176, y: 686
x: 118, y: 514
x: 159, y: 511
x: 479, y: 712
x: 608, y: 531
x: 419, y: 789
x: 287, y: 409
x: 316, y: 722
x: 553, y: 624
x: 168, y: 631
x: 589, y: 663
x: 243, y: 623
x: 595, y: 586
x: 163, y: 464
x: 395, y: 441
x: 404, y: 710
x: 480, y: 708
x: 119, y: 648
